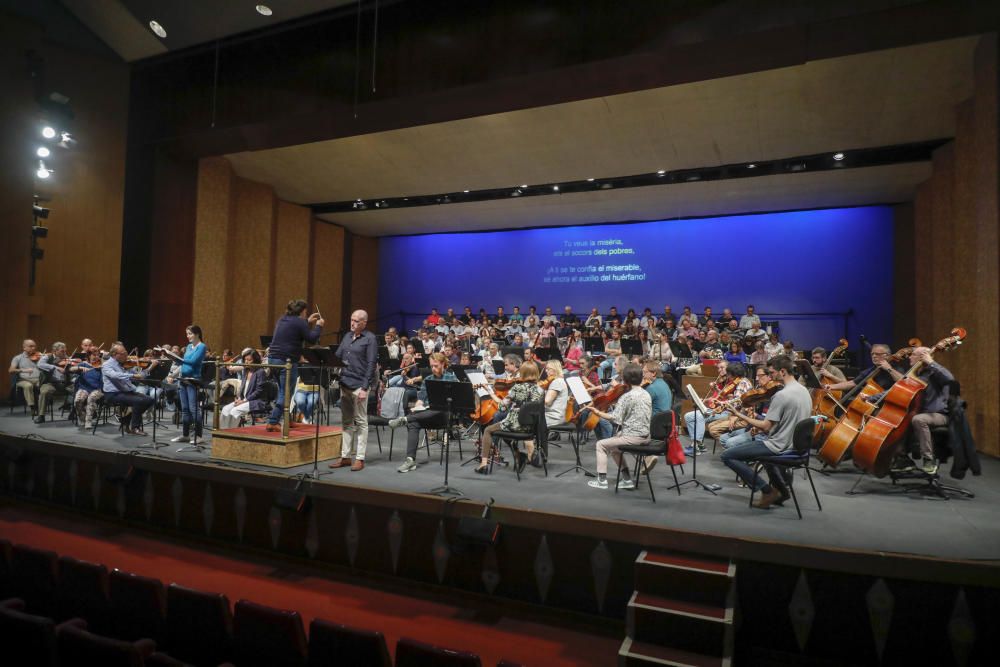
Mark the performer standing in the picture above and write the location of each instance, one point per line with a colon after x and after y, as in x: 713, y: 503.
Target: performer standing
x: 358, y: 351
x: 290, y: 332
x: 190, y: 382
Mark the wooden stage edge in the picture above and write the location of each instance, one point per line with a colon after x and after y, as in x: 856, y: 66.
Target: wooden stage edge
x: 299, y: 448
x: 849, y: 561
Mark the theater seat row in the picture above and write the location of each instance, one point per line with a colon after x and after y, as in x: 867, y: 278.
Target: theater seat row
x: 61, y: 611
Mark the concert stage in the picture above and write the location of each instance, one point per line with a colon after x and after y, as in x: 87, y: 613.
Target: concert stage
x: 563, y: 547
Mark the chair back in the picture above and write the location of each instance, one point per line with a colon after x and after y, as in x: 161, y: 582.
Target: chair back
x: 26, y: 639
x: 268, y: 637
x: 34, y: 575
x: 83, y: 592
x: 660, y: 425
x: 802, y: 436
x: 199, y: 625
x: 333, y: 643
x: 531, y: 416
x: 139, y: 606
x: 79, y: 647
x: 412, y: 653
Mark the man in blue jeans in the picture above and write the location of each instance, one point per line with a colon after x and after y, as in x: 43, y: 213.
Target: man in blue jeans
x: 290, y: 332
x: 788, y: 407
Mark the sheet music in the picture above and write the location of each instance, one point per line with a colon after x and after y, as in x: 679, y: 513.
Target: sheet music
x: 477, y: 378
x: 697, y: 400
x: 579, y: 392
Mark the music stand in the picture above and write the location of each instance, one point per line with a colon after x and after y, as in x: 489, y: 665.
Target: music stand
x: 546, y: 353
x: 582, y: 397
x: 806, y: 371
x: 593, y: 345
x: 265, y: 341
x: 324, y: 358
x: 700, y: 407
x: 448, y: 396
x: 631, y: 347
x: 155, y: 380
x: 498, y: 366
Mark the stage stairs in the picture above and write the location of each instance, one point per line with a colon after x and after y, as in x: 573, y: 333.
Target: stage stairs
x: 681, y: 612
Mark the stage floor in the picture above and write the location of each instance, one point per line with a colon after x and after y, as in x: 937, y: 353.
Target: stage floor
x: 878, y: 520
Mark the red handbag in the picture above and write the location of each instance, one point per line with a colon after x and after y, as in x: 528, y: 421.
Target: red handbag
x: 675, y: 451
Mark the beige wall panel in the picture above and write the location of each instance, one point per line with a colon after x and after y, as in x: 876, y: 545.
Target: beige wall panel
x: 904, y: 301
x: 327, y: 272
x: 291, y: 277
x: 923, y: 222
x: 209, y: 305
x: 250, y: 273
x: 943, y: 280
x: 364, y: 278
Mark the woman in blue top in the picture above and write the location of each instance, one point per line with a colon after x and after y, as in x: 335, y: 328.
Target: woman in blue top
x: 190, y: 380
x: 735, y: 353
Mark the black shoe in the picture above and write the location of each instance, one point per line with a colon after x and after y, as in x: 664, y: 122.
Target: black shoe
x: 536, y: 460
x: 483, y: 469
x: 522, y: 460
x: 40, y: 419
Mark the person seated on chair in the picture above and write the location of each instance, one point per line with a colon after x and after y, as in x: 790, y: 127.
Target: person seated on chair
x: 733, y: 431
x: 249, y: 394
x: 24, y: 368
x: 88, y: 389
x: 420, y: 414
x: 633, y: 413
x: 818, y: 358
x: 524, y: 390
x: 119, y: 390
x: 556, y: 394
x: 721, y: 388
x: 54, y: 370
x: 789, y: 406
x: 304, y: 399
x: 934, y: 406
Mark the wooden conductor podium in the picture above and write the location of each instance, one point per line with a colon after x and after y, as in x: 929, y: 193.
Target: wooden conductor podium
x: 254, y: 444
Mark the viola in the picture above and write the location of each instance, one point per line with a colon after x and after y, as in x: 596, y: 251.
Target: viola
x: 875, y: 446
x: 603, y: 402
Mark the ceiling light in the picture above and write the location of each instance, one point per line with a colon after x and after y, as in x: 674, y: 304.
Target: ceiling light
x: 524, y: 186
x: 690, y: 178
x: 556, y: 188
x: 590, y: 180
x: 838, y: 156
x: 661, y: 172
x: 465, y: 191
x: 42, y: 151
x: 48, y: 132
x: 43, y: 171
x: 158, y: 29
x: 751, y: 166
x: 263, y: 10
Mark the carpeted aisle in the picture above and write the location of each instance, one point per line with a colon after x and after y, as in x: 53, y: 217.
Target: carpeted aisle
x: 282, y: 586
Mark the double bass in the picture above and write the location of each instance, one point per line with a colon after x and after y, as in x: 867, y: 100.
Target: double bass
x: 840, y: 438
x: 875, y: 445
x: 826, y: 402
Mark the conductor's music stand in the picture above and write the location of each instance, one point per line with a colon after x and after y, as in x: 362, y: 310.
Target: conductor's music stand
x: 448, y: 396
x: 319, y: 358
x: 700, y: 407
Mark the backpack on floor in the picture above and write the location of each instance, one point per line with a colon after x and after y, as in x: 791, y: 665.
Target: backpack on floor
x: 392, y: 402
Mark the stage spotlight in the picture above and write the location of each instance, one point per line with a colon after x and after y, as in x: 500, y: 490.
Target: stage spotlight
x: 798, y: 166
x: 39, y: 232
x: 37, y: 253
x: 48, y: 132
x: 39, y: 212
x: 66, y: 140
x: 516, y: 192
x: 42, y: 151
x: 838, y: 156
x: 158, y: 29
x: 43, y: 171
x: 264, y: 10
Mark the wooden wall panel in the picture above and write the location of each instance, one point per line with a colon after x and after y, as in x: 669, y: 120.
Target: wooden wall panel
x: 251, y: 263
x: 943, y: 281
x: 364, y: 277
x: 209, y: 303
x: 327, y: 272
x: 923, y: 222
x: 292, y: 255
x: 904, y: 320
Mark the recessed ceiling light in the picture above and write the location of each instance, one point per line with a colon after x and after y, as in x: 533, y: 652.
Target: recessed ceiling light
x: 465, y: 191
x: 661, y: 172
x: 42, y: 151
x: 48, y: 132
x: 590, y: 180
x: 264, y: 10
x: 556, y: 188
x: 158, y: 29
x: 838, y: 156
x: 43, y: 171
x: 751, y: 166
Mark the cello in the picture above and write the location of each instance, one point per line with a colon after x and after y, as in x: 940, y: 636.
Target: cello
x: 875, y: 445
x: 840, y: 438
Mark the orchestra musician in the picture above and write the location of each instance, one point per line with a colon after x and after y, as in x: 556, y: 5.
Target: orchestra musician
x: 25, y: 367
x: 934, y: 406
x: 882, y: 371
x: 524, y: 390
x: 88, y: 389
x: 359, y: 352
x: 818, y: 358
x: 249, y: 393
x: 190, y: 382
x: 733, y: 431
x: 54, y: 369
x: 788, y: 407
x: 118, y: 387
x: 290, y: 332
x: 632, y: 413
x: 420, y: 414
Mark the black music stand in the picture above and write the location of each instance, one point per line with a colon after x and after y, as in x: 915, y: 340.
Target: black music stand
x: 631, y: 346
x: 498, y: 366
x: 806, y: 371
x: 448, y: 396
x: 593, y: 345
x: 545, y: 353
x: 320, y: 358
x: 700, y: 407
x: 155, y: 380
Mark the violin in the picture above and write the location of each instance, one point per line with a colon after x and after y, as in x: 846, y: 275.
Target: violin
x: 139, y: 362
x: 761, y: 394
x: 35, y: 356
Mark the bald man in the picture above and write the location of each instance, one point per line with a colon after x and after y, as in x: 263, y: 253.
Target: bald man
x: 358, y: 351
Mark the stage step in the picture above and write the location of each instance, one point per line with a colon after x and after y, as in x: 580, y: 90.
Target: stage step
x: 681, y: 612
x: 640, y: 654
x: 685, y: 578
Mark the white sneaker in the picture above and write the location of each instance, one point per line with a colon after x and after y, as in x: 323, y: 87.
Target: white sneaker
x: 408, y: 465
x: 626, y: 484
x: 89, y: 426
x: 180, y: 438
x: 397, y: 422
x: 598, y: 483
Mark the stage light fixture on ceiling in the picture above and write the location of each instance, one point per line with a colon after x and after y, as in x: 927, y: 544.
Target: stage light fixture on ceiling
x: 42, y: 151
x: 43, y: 171
x: 39, y: 211
x: 661, y: 172
x: 751, y: 166
x: 838, y: 156
x: 158, y: 29
x: 524, y: 186
x: 264, y: 10
x: 798, y: 166
x: 590, y: 180
x: 66, y: 139
x: 516, y: 192
x: 555, y: 188
x: 48, y: 132
x: 39, y: 232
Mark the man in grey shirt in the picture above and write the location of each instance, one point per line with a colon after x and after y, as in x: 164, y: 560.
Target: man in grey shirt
x: 789, y: 406
x: 25, y: 367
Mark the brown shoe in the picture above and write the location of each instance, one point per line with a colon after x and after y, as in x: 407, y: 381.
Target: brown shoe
x: 359, y: 464
x: 767, y: 499
x: 273, y: 428
x: 341, y: 463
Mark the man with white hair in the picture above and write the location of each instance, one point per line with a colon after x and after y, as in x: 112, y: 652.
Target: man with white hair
x: 358, y: 351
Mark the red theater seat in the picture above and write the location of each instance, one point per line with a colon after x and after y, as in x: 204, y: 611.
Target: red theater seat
x: 336, y: 644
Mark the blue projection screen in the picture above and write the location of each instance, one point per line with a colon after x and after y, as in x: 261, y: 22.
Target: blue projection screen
x: 827, y: 261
